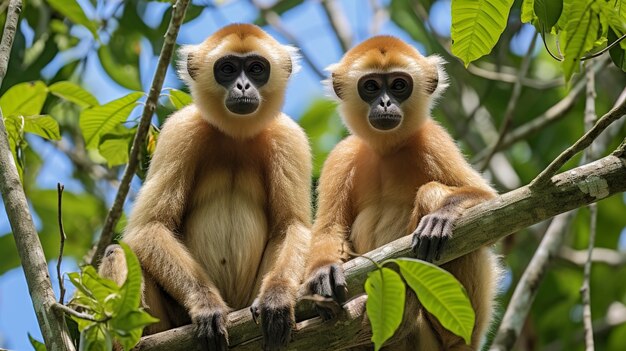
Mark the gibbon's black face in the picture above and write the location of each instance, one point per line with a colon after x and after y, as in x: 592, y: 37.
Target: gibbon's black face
x: 384, y: 92
x: 242, y: 76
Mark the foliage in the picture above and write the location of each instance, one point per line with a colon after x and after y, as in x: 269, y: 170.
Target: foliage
x: 116, y: 312
x: 437, y: 290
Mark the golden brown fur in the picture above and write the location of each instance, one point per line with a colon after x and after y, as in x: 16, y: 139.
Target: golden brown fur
x: 224, y: 214
x: 376, y: 186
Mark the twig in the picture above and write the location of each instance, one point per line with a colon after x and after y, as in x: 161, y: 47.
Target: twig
x: 514, y: 78
x: 106, y: 237
x: 602, y: 255
x: 607, y: 48
x: 338, y: 22
x: 616, y: 113
x: 61, y: 307
x: 511, y: 106
x: 60, y: 189
x: 585, y: 290
x: 553, y: 114
x: 526, y: 290
x: 52, y: 324
x: 274, y: 20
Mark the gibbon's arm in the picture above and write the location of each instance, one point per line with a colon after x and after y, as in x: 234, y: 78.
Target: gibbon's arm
x: 454, y: 187
x: 155, y: 221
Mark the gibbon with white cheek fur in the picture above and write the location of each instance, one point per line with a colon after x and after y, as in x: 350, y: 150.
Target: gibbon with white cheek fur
x: 224, y: 215
x: 397, y: 169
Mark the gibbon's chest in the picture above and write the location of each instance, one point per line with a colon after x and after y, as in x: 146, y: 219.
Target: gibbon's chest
x: 226, y: 226
x: 383, y: 198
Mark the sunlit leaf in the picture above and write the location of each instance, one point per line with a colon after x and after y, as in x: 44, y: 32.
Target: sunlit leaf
x: 131, y: 290
x: 548, y: 13
x: 476, y: 26
x: 441, y: 294
x: 528, y: 12
x: 115, y: 146
x: 580, y: 36
x: 24, y: 99
x: 74, y: 93
x: 385, y: 304
x: 96, y: 338
x: 72, y: 10
x: 128, y: 327
x: 279, y: 8
x: 37, y: 345
x: 99, y: 120
x: 45, y: 126
x: 179, y: 98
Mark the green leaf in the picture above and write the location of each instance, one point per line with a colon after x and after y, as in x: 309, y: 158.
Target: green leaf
x: 581, y: 33
x: 179, y: 98
x: 72, y: 10
x: 115, y: 146
x: 73, y: 93
x: 128, y: 328
x: 44, y: 126
x: 123, y: 73
x: 441, y: 294
x: 99, y: 120
x: 385, y: 304
x: 528, y: 12
x: 548, y: 13
x: 37, y: 345
x: 476, y: 26
x: 279, y: 8
x: 96, y: 338
x: 131, y: 289
x: 8, y: 252
x: 24, y: 99
x: 618, y: 54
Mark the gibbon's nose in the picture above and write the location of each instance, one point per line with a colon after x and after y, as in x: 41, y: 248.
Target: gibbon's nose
x: 385, y: 101
x: 242, y: 83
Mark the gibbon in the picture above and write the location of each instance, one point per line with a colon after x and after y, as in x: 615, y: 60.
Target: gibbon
x: 224, y: 216
x: 397, y: 169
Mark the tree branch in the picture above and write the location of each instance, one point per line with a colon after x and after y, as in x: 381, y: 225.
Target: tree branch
x: 338, y: 22
x: 606, y: 256
x: 106, y: 237
x: 51, y: 323
x: 481, y: 225
x: 60, y: 189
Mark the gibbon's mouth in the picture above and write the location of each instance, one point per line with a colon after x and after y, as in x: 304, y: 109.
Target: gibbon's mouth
x: 385, y: 121
x: 242, y: 105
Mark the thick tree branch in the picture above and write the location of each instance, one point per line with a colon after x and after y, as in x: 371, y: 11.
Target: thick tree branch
x: 51, y: 323
x: 481, y: 225
x: 106, y: 237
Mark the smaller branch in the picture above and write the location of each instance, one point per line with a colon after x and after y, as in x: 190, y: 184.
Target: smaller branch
x: 514, y: 78
x: 338, y: 22
x: 584, y: 141
x: 585, y: 290
x: 60, y: 189
x: 106, y: 236
x: 553, y: 114
x: 511, y: 106
x: 609, y: 47
x: 606, y: 256
x: 62, y: 308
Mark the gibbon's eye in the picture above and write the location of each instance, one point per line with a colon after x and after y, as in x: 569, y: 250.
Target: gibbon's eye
x: 228, y: 68
x: 398, y: 84
x: 371, y: 86
x: 256, y: 68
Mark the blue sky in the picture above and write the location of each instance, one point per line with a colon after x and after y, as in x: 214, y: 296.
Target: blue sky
x: 307, y: 22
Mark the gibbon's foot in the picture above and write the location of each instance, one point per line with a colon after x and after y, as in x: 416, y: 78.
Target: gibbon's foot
x: 431, y: 234
x: 276, y: 312
x: 210, y: 328
x: 330, y: 282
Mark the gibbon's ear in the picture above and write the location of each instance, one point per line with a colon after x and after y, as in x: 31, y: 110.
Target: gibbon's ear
x: 188, y: 63
x: 332, y: 84
x: 437, y: 82
x: 293, y: 65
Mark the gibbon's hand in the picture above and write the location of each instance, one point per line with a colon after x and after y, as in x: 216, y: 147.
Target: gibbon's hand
x: 432, y: 232
x: 210, y: 328
x: 275, y: 308
x: 330, y: 282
